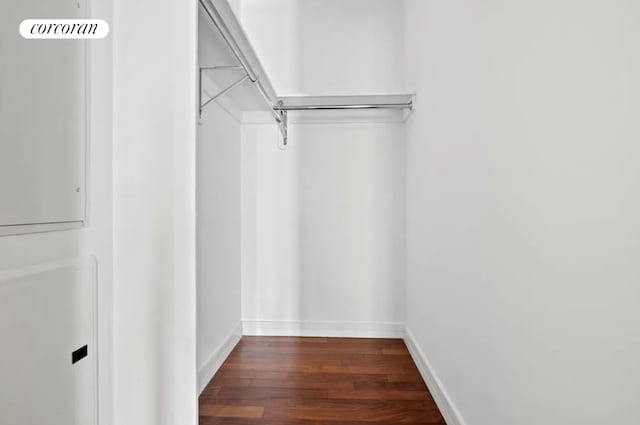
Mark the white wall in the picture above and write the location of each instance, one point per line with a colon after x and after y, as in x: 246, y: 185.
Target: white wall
x: 218, y: 235
x: 154, y: 212
x: 270, y: 284
x: 94, y: 240
x: 236, y: 6
x: 523, y: 205
x: 328, y: 46
x: 323, y: 223
x: 323, y: 220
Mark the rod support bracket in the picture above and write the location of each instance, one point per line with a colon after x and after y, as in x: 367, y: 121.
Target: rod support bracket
x: 283, y: 124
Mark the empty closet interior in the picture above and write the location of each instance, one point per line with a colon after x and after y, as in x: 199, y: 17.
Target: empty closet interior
x: 459, y: 174
x: 321, y: 212
x: 300, y: 196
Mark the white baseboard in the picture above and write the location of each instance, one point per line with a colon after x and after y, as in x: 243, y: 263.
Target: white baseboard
x: 324, y: 329
x: 211, y: 366
x: 443, y: 400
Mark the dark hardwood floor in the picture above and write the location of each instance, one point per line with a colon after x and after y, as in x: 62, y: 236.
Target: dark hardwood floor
x: 318, y: 381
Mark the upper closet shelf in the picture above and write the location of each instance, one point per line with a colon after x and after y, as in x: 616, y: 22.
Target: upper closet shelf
x: 231, y: 69
x: 237, y: 69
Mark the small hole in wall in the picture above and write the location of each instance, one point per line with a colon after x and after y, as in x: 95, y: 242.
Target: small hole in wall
x: 283, y: 144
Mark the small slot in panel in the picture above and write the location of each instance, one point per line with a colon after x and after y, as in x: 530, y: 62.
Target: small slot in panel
x: 79, y: 354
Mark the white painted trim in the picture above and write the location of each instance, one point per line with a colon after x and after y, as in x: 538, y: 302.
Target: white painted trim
x: 324, y: 329
x: 211, y: 366
x: 24, y: 229
x: 32, y: 269
x: 76, y: 264
x: 442, y: 398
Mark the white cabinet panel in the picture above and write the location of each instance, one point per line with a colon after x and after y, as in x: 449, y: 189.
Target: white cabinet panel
x: 46, y: 314
x: 43, y: 124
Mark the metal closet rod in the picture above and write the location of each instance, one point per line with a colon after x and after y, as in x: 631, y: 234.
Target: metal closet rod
x: 228, y: 38
x: 224, y: 67
x: 235, y: 49
x: 278, y: 111
x: 408, y: 105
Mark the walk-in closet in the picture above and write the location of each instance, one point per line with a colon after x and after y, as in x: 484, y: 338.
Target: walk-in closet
x: 319, y: 212
x: 301, y: 213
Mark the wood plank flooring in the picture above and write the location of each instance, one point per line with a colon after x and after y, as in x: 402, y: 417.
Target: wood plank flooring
x: 318, y: 381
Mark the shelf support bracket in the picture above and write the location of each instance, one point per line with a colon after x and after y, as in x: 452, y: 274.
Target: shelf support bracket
x: 222, y: 92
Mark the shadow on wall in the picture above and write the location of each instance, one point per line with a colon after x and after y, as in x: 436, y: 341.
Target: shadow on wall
x: 328, y: 47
